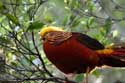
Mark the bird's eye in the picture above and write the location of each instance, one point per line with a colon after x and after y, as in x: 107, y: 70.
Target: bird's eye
x: 43, y: 38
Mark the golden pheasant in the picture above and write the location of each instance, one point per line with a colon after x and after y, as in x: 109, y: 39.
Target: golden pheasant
x: 76, y: 52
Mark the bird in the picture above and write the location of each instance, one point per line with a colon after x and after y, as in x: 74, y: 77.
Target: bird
x: 75, y: 52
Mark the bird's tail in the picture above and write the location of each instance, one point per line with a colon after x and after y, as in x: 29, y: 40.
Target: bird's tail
x: 119, y: 52
x: 112, y: 57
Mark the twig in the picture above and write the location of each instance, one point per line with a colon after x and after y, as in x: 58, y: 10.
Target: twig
x: 39, y: 56
x: 53, y: 79
x: 118, y: 81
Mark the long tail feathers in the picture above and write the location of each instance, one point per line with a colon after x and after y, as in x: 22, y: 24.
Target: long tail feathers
x: 115, y: 57
x: 119, y: 52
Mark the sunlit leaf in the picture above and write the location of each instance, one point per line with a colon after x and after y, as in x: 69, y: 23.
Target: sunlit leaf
x: 90, y: 20
x: 2, y: 18
x: 96, y: 73
x: 115, y: 33
x: 9, y: 56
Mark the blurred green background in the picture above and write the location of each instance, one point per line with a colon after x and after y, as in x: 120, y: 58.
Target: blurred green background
x: 21, y: 56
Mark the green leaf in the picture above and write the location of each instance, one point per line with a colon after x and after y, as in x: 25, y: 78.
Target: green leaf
x: 4, y: 40
x: 107, y: 24
x: 35, y: 25
x: 65, y: 20
x: 14, y: 63
x: 2, y: 8
x: 1, y: 4
x: 12, y: 18
x: 79, y: 78
x: 2, y: 18
x: 90, y: 20
x: 32, y: 58
x: 96, y: 73
x: 25, y: 62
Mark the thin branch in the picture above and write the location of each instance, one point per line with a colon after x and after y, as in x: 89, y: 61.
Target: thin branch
x: 18, y: 4
x: 53, y: 79
x: 39, y: 56
x: 16, y: 70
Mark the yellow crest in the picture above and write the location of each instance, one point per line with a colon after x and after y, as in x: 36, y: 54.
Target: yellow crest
x: 47, y: 29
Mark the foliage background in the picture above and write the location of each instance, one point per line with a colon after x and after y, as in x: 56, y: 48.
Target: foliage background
x: 23, y: 59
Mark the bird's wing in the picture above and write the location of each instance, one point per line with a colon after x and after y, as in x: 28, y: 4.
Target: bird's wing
x: 89, y: 42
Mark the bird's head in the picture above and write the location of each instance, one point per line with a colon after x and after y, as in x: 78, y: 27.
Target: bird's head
x: 54, y: 34
x: 46, y: 30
